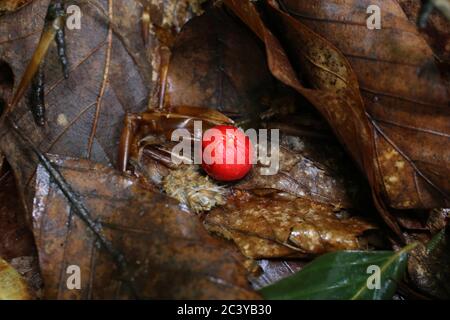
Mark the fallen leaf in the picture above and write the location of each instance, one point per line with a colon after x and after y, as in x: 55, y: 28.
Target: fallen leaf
x: 407, y: 106
x: 384, y: 150
x: 110, y: 74
x: 269, y: 227
x: 167, y: 251
x: 15, y: 238
x: 12, y: 285
x: 274, y: 270
x: 218, y: 63
x: 321, y: 177
x: 12, y: 5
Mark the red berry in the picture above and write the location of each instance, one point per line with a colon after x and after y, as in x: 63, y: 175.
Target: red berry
x: 227, y: 153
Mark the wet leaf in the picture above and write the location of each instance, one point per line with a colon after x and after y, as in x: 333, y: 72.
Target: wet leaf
x: 12, y: 285
x: 167, y: 251
x: 400, y: 83
x: 387, y: 133
x: 110, y: 73
x: 343, y: 275
x: 269, y: 227
x: 306, y: 172
x: 274, y: 270
x: 218, y: 63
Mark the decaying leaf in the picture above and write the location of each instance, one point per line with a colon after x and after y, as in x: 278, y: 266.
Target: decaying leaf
x: 323, y: 178
x: 380, y: 91
x: 12, y: 5
x: 406, y: 99
x: 167, y: 251
x: 110, y: 73
x: 217, y: 63
x: 12, y: 285
x: 265, y: 227
x: 388, y: 133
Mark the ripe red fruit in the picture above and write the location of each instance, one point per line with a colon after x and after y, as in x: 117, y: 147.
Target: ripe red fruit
x: 227, y: 153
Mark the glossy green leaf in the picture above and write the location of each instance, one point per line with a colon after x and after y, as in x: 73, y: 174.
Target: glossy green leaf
x: 345, y: 275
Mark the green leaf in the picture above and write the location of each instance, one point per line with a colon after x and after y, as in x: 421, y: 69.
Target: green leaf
x: 344, y: 275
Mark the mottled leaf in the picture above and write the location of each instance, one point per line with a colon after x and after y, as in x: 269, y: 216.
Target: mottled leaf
x: 384, y: 149
x: 167, y: 251
x: 110, y: 73
x: 269, y: 227
x: 406, y: 100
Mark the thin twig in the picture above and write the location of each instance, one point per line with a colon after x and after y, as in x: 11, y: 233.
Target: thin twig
x: 104, y: 81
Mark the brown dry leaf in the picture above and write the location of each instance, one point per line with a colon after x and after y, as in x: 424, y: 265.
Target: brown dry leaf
x: 218, y: 63
x: 265, y: 227
x: 168, y: 252
x: 321, y: 177
x: 12, y: 5
x: 110, y: 74
x: 387, y: 142
x: 406, y: 100
x: 12, y: 285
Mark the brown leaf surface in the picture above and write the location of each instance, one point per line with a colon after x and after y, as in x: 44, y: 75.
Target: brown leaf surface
x: 309, y: 170
x: 168, y: 252
x: 218, y: 63
x: 406, y: 100
x: 437, y: 31
x: 12, y: 285
x: 274, y: 270
x: 110, y: 74
x: 12, y: 5
x: 265, y: 227
x: 393, y: 136
x: 16, y: 239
